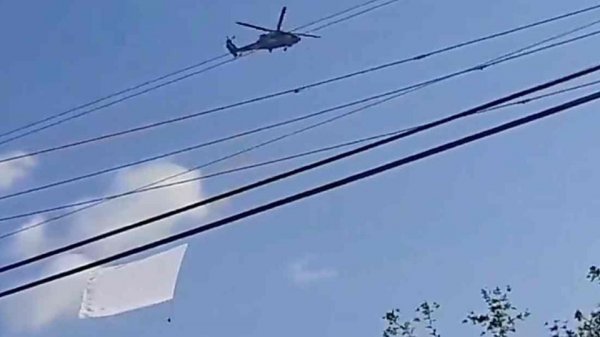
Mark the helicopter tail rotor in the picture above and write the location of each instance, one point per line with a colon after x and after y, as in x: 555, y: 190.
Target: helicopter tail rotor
x: 231, y: 47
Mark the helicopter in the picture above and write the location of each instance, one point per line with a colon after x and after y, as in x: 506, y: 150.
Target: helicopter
x: 273, y: 39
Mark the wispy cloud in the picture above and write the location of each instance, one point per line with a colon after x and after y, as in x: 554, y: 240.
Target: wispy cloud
x: 34, y: 309
x: 31, y: 241
x: 135, y: 207
x: 301, y: 273
x: 60, y: 300
x: 13, y: 171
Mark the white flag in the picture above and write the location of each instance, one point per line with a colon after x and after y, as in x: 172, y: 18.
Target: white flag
x: 118, y: 289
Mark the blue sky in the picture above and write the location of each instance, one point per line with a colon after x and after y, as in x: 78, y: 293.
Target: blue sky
x: 518, y: 209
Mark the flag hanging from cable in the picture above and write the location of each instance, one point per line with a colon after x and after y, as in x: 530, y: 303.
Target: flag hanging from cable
x: 118, y: 289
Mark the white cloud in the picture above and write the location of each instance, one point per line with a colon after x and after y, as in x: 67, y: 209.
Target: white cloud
x: 114, y: 214
x: 13, y: 171
x: 34, y: 309
x: 45, y: 305
x: 31, y: 241
x: 302, y: 274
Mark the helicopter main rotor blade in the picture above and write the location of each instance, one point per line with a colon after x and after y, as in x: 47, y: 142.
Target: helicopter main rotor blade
x: 255, y: 27
x: 308, y: 35
x: 281, y: 16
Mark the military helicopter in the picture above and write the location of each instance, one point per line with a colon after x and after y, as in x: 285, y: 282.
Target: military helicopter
x: 273, y: 39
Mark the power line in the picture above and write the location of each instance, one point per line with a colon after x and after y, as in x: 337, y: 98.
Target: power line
x: 111, y: 103
x: 253, y: 131
x: 311, y: 192
x: 308, y: 167
x: 205, y: 144
x: 349, y: 17
x: 539, y: 97
x: 273, y: 161
x: 288, y: 91
x: 213, y: 142
x: 190, y: 180
x: 393, y: 94
x: 347, y: 10
x: 267, y: 162
x: 550, y: 39
x: 144, y: 84
x: 109, y: 96
x: 210, y: 163
x: 152, y: 185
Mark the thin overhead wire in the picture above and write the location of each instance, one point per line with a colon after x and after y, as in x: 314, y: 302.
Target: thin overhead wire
x: 342, y: 12
x: 276, y: 160
x: 293, y: 90
x: 550, y: 39
x: 323, y: 162
x: 115, y: 102
x: 349, y: 17
x: 385, y: 97
x: 110, y: 96
x: 210, y: 163
x: 311, y: 192
x: 202, y: 177
x: 543, y: 96
x: 203, y: 144
x: 246, y: 133
x: 144, y: 84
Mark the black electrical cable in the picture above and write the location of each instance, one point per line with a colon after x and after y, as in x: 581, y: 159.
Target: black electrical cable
x: 113, y: 95
x: 204, y: 165
x: 190, y: 180
x: 394, y: 93
x: 349, y: 17
x: 253, y: 131
x: 268, y: 162
x: 311, y: 166
x: 311, y: 192
x: 111, y: 103
x: 342, y: 12
x: 550, y: 39
x: 550, y: 94
x: 144, y: 84
x: 194, y: 147
x: 293, y: 90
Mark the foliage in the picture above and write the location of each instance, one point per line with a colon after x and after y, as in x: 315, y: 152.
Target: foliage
x: 588, y: 326
x: 426, y: 311
x: 407, y: 328
x: 395, y: 327
x: 501, y: 318
x: 594, y: 274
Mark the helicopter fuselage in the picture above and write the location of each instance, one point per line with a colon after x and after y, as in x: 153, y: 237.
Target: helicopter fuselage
x: 272, y: 39
x: 276, y: 40
x: 269, y: 41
